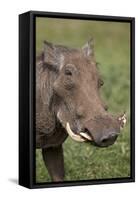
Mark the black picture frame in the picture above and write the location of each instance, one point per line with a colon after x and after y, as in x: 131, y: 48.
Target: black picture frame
x: 27, y: 98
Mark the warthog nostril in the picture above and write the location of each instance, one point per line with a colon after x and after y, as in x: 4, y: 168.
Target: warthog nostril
x: 104, y: 140
x: 108, y: 140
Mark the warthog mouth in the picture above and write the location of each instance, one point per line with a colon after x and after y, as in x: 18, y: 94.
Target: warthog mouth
x: 79, y: 137
x: 86, y: 136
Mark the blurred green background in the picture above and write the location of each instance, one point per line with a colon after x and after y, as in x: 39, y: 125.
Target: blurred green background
x: 112, y: 50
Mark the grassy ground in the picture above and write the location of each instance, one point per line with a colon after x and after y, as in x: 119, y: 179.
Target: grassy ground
x: 83, y: 161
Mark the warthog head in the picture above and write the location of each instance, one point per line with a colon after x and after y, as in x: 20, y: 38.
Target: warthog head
x: 76, y: 95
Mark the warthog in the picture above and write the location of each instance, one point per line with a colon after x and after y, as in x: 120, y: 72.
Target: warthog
x: 68, y: 103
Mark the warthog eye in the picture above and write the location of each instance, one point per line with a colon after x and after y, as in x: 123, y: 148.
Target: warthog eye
x: 100, y: 82
x: 68, y: 72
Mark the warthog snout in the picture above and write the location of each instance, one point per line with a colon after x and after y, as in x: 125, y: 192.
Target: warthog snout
x: 100, y: 131
x: 104, y: 130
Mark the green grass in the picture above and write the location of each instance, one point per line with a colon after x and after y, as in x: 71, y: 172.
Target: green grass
x: 112, y: 50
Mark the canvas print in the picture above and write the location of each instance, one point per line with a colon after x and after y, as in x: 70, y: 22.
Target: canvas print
x: 82, y: 100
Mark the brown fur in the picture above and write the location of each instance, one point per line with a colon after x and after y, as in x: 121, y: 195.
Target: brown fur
x: 67, y: 90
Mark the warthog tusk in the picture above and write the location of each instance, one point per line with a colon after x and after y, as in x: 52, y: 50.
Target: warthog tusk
x: 75, y: 137
x: 85, y: 135
x: 123, y: 120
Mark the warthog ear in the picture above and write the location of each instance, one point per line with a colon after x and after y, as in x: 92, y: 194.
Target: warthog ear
x: 52, y: 55
x: 88, y: 48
